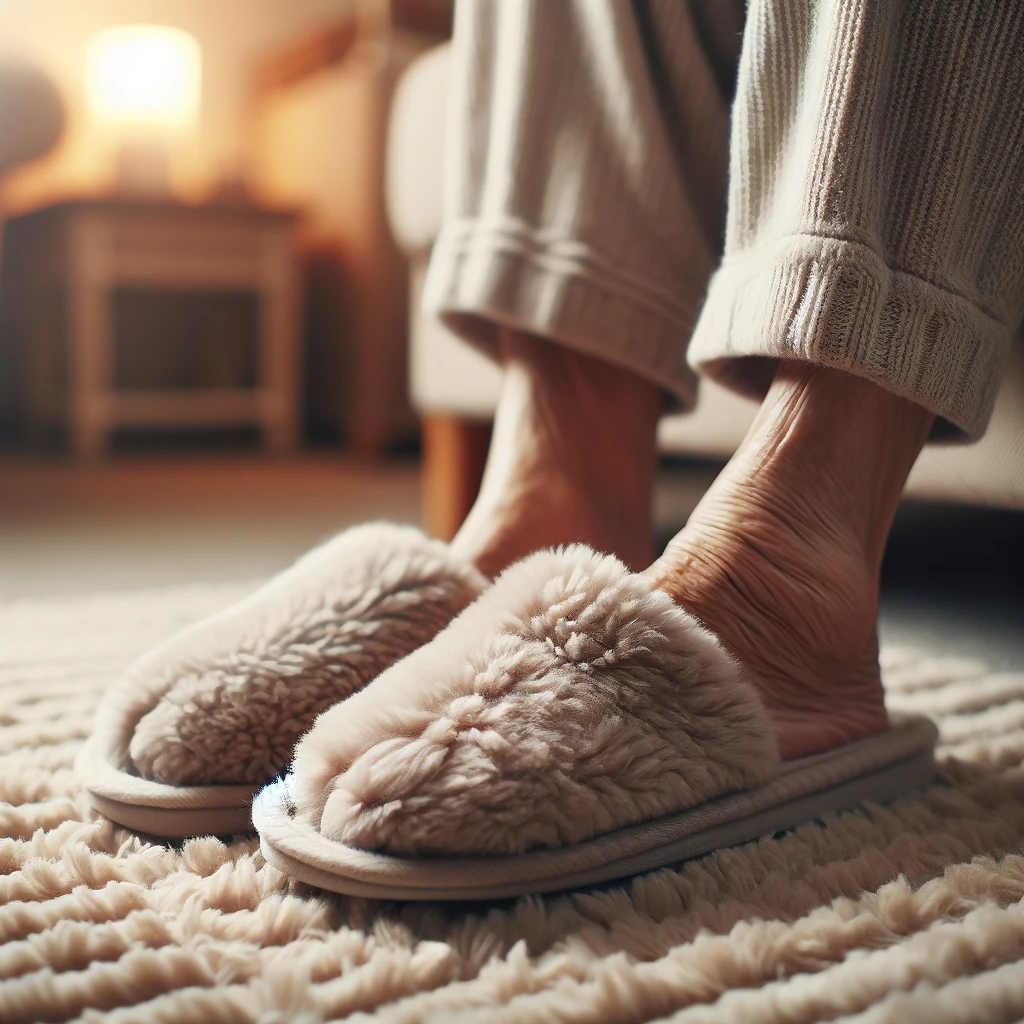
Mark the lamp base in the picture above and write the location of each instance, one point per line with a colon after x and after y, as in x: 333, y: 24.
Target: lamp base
x: 144, y: 168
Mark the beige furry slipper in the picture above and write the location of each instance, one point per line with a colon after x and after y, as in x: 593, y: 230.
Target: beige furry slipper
x: 200, y: 723
x: 570, y: 727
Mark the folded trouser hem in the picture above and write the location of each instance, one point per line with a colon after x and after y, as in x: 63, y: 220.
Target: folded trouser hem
x: 478, y: 283
x: 835, y: 303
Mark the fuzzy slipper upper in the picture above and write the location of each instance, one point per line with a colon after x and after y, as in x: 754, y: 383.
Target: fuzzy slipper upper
x: 224, y: 701
x: 568, y: 701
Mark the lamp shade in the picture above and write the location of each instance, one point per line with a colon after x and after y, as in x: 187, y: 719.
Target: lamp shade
x: 144, y: 75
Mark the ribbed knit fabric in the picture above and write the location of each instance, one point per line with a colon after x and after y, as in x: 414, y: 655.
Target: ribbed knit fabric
x: 875, y: 202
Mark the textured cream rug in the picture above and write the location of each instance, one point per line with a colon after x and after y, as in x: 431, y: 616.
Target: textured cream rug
x: 905, y: 913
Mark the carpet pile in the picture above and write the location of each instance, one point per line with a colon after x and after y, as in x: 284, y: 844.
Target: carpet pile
x: 910, y: 912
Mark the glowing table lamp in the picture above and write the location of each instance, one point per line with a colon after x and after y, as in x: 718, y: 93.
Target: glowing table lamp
x: 143, y: 84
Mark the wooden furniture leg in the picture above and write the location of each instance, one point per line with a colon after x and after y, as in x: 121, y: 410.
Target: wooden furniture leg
x: 454, y: 452
x: 281, y: 350
x: 92, y: 347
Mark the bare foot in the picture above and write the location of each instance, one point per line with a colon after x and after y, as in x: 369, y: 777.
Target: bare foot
x: 571, y: 459
x: 781, y: 558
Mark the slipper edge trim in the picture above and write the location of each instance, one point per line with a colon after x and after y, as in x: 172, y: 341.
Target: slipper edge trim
x: 912, y: 737
x: 880, y: 786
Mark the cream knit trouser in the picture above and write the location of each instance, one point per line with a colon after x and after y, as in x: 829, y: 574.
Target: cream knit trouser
x: 873, y: 178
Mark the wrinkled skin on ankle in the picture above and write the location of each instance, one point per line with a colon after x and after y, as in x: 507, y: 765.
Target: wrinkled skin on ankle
x: 781, y: 557
x: 569, y: 701
x: 226, y: 701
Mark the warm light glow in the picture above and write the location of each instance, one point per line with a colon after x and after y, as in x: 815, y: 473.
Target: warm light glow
x: 144, y: 74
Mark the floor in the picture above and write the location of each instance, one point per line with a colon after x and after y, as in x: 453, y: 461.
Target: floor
x: 953, y: 581
x: 135, y: 523
x: 908, y: 913
x: 141, y: 523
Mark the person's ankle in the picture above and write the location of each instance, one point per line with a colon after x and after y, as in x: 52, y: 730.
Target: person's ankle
x: 572, y: 459
x: 844, y: 437
x: 781, y: 557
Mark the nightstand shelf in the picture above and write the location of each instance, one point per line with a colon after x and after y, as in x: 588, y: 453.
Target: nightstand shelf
x: 73, y: 259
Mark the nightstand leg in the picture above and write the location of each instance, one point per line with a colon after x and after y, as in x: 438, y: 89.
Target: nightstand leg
x: 281, y: 349
x: 279, y: 434
x: 88, y: 439
x: 91, y: 345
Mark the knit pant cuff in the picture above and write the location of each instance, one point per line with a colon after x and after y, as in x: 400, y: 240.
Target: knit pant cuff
x: 481, y: 280
x: 835, y: 303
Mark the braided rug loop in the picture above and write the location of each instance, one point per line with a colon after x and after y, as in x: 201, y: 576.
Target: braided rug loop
x: 911, y: 912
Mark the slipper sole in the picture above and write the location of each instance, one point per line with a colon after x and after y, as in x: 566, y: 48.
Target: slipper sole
x: 875, y: 769
x: 159, y: 809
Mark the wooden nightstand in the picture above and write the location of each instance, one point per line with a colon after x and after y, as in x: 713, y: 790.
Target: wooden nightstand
x: 68, y: 263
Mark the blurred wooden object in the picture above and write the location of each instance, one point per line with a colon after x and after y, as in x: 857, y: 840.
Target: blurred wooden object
x: 369, y: 19
x: 71, y: 259
x: 454, y: 452
x: 305, y: 58
x: 319, y: 137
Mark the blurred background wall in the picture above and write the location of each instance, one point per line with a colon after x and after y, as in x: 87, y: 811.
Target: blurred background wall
x: 235, y: 37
